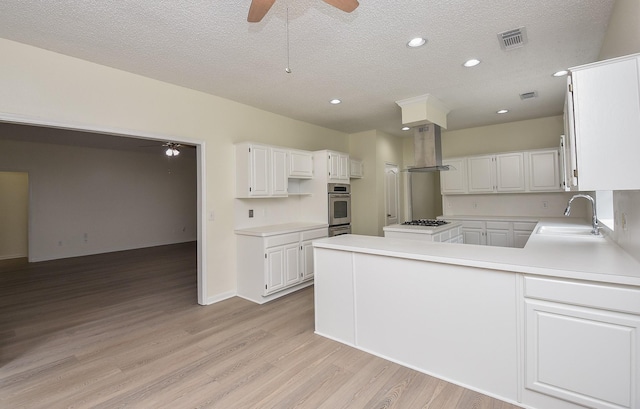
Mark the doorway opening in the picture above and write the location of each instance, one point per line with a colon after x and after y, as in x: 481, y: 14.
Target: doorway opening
x: 137, y: 137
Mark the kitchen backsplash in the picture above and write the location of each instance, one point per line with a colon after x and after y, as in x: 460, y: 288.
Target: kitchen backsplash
x: 626, y: 207
x: 521, y: 204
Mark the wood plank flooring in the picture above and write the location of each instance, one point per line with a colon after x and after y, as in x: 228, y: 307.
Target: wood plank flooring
x: 123, y: 330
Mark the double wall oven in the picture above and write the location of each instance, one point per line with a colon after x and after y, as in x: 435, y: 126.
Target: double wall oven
x: 339, y: 209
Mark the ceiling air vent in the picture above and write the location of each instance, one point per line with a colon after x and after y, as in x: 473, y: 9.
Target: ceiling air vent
x: 512, y: 39
x: 529, y: 95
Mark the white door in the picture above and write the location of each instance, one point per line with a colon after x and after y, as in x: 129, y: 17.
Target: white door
x: 392, y: 193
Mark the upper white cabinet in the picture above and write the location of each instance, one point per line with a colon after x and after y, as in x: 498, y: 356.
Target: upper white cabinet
x: 300, y: 164
x: 544, y: 173
x: 254, y: 172
x: 512, y: 172
x: 454, y: 180
x: 338, y: 166
x: 355, y: 169
x: 602, y: 120
x: 279, y: 172
x: 496, y: 173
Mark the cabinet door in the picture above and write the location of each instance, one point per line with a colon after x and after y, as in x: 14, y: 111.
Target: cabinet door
x: 274, y: 269
x: 355, y: 168
x: 343, y: 173
x: 300, y: 164
x: 307, y: 260
x: 259, y: 165
x: 292, y: 264
x: 481, y: 174
x: 544, y: 172
x: 606, y: 102
x: 454, y: 180
x: 498, y: 238
x: 510, y: 172
x: 472, y: 235
x: 582, y: 355
x: 334, y: 165
x: 279, y: 172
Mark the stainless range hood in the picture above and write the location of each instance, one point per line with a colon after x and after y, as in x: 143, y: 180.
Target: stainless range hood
x: 427, y: 149
x: 426, y: 114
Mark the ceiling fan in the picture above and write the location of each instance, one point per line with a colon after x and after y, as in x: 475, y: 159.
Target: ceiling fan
x: 259, y: 8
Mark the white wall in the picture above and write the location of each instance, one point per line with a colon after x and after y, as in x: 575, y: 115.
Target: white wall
x: 89, y: 201
x: 40, y: 84
x: 14, y: 202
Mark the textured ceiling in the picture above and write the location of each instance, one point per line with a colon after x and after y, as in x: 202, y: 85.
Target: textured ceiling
x: 360, y: 57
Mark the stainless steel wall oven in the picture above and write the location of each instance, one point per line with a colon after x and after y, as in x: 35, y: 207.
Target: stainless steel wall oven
x: 339, y: 208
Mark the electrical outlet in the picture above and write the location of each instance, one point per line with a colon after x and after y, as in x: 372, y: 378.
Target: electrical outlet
x: 250, y: 213
x: 212, y: 216
x: 475, y: 205
x: 545, y: 204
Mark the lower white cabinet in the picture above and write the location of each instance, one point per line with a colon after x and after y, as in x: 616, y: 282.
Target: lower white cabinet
x: 501, y: 233
x: 269, y: 266
x: 581, y: 343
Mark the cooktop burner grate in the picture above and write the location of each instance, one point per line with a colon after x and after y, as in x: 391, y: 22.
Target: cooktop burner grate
x: 426, y: 222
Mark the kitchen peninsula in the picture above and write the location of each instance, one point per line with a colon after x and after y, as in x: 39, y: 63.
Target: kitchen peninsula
x: 554, y: 325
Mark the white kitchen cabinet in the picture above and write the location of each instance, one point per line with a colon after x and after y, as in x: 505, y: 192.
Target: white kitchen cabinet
x: 496, y: 173
x: 544, y: 172
x: 338, y: 166
x: 279, y: 172
x: 272, y: 266
x: 481, y: 174
x: 474, y: 232
x: 454, y: 180
x: 355, y: 168
x: 510, y: 172
x: 602, y: 127
x: 521, y: 233
x: 261, y: 171
x: 581, y: 343
x: 499, y: 234
x: 300, y: 164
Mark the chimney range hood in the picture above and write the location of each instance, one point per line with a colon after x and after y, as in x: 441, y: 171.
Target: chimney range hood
x: 427, y: 149
x: 426, y: 114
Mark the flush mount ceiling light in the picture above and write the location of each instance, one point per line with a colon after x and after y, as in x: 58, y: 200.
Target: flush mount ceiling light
x: 405, y: 128
x: 335, y: 101
x: 416, y: 42
x: 502, y: 111
x: 560, y: 73
x: 471, y: 63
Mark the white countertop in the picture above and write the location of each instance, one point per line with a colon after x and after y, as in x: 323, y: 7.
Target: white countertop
x: 421, y: 229
x: 584, y: 258
x: 275, y: 229
x: 496, y: 218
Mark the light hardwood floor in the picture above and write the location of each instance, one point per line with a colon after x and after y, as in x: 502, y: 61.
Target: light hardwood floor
x: 123, y: 330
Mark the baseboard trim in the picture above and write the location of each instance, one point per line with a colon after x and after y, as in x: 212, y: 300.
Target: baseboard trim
x: 220, y: 297
x: 10, y: 256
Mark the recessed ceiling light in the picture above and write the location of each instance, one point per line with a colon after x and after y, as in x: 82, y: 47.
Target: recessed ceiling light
x: 335, y: 101
x: 417, y: 42
x: 560, y: 73
x: 471, y: 63
x: 405, y: 128
x: 502, y: 111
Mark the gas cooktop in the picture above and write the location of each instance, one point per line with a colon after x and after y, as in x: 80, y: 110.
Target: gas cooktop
x: 426, y: 222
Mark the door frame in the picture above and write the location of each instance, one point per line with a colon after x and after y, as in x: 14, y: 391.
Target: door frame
x: 128, y: 133
x: 389, y: 165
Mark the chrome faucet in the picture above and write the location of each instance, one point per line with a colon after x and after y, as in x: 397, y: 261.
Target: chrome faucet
x: 594, y: 220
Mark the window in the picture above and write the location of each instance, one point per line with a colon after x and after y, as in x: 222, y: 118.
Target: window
x: 604, y: 207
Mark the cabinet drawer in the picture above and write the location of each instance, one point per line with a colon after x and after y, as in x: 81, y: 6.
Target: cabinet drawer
x: 527, y: 226
x: 281, y: 239
x: 622, y: 299
x: 314, y: 234
x: 476, y: 224
x: 498, y: 225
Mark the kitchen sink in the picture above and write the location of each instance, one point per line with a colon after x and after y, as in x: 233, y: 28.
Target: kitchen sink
x: 582, y: 231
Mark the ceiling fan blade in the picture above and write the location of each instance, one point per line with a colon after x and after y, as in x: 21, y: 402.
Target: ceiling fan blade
x: 258, y: 10
x: 344, y: 5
